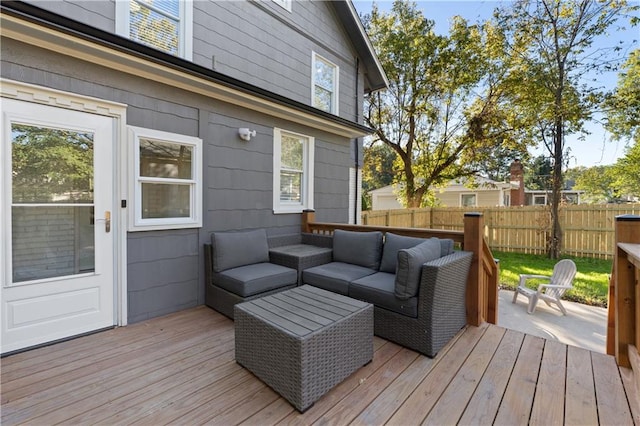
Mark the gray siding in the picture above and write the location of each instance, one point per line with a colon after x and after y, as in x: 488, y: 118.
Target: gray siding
x: 166, y: 268
x: 257, y: 42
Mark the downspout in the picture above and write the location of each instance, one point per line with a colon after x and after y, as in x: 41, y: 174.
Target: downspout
x: 357, y: 154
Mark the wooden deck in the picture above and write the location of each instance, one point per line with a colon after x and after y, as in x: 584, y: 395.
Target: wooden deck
x: 180, y: 369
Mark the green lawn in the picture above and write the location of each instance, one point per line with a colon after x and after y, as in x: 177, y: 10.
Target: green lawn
x: 590, y: 285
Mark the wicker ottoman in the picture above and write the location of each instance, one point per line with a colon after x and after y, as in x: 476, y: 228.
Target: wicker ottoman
x: 304, y: 341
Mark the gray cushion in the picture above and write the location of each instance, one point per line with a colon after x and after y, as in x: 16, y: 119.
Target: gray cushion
x: 358, y: 248
x: 446, y: 246
x: 393, y: 243
x: 234, y: 249
x: 335, y: 276
x: 379, y: 289
x: 254, y: 279
x: 410, y: 263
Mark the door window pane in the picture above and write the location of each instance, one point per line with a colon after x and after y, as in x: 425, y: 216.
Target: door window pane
x: 51, y: 241
x: 51, y: 165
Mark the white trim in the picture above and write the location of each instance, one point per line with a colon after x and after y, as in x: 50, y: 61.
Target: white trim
x: 136, y: 222
x: 285, y: 4
x: 336, y: 82
x: 307, y: 177
x: 185, y: 25
x: 79, y: 48
x: 42, y: 95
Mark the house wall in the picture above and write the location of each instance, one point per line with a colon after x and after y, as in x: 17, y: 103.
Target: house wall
x: 483, y: 198
x: 166, y: 268
x: 257, y: 42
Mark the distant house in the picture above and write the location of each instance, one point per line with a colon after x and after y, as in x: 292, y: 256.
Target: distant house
x: 484, y: 193
x: 132, y: 129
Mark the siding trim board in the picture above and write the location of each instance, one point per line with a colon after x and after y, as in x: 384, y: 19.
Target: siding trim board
x: 45, y: 29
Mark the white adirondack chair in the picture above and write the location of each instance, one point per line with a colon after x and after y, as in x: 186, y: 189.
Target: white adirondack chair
x: 560, y: 281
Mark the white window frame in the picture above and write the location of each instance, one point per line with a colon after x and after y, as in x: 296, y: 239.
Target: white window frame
x: 185, y: 26
x: 285, y: 4
x: 336, y: 82
x: 136, y: 222
x: 537, y: 197
x: 306, y: 201
x: 475, y: 199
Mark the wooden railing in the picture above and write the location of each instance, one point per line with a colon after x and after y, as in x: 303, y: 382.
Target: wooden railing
x: 482, y: 284
x: 623, y: 328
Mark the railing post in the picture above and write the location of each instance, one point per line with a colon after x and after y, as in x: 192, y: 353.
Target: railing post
x: 626, y: 306
x: 308, y: 216
x: 473, y: 235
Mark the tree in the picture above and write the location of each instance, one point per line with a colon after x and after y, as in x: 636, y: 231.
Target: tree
x: 377, y: 170
x: 539, y: 173
x: 598, y: 184
x: 626, y: 172
x: 551, y: 41
x: 442, y: 113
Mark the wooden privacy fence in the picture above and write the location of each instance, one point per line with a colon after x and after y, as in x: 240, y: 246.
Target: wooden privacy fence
x: 588, y: 229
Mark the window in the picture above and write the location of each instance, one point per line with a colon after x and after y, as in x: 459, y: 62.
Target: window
x: 167, y: 183
x: 539, y: 200
x: 324, y: 84
x: 166, y: 25
x: 468, y: 200
x: 285, y: 4
x: 292, y: 172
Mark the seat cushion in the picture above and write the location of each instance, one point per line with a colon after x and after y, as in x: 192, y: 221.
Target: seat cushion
x: 234, y: 249
x: 410, y: 263
x: 254, y: 279
x: 358, y: 248
x: 379, y: 289
x: 335, y: 276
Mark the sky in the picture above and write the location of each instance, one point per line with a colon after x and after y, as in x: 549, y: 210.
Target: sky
x: 597, y: 149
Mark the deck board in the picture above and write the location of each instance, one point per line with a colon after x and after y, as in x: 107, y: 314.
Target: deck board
x: 180, y: 369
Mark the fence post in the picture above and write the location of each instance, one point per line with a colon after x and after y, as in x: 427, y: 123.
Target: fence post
x: 308, y: 216
x: 473, y: 237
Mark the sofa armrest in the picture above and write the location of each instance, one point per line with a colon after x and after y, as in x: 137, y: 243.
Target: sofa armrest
x: 443, y: 288
x: 208, y: 263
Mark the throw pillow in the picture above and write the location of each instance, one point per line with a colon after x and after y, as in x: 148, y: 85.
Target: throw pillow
x: 393, y: 243
x: 409, y: 268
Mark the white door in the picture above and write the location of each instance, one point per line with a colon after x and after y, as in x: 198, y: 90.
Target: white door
x: 58, y: 246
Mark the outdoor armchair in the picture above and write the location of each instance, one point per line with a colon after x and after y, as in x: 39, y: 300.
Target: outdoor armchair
x: 559, y: 282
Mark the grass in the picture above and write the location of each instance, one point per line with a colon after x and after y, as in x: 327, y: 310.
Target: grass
x: 589, y: 287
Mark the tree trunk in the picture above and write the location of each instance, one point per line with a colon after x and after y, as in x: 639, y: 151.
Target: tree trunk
x: 555, y: 241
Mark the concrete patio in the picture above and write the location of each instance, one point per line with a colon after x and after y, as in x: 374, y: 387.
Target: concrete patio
x: 584, y: 326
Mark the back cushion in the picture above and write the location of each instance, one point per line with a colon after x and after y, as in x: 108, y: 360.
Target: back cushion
x: 446, y: 246
x: 409, y: 269
x: 358, y: 248
x: 234, y: 249
x: 393, y: 243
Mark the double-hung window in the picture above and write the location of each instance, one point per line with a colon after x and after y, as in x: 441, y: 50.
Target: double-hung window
x: 166, y: 25
x: 324, y: 84
x: 167, y: 180
x: 468, y: 200
x: 292, y: 172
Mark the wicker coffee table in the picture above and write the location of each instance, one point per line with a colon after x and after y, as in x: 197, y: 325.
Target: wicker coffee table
x: 304, y: 341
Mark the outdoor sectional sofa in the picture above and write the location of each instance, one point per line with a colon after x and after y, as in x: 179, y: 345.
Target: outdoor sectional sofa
x: 417, y: 286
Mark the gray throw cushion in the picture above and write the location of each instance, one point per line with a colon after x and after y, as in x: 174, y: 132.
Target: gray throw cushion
x: 233, y: 249
x: 410, y: 263
x: 446, y: 246
x: 358, y: 248
x: 393, y: 243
